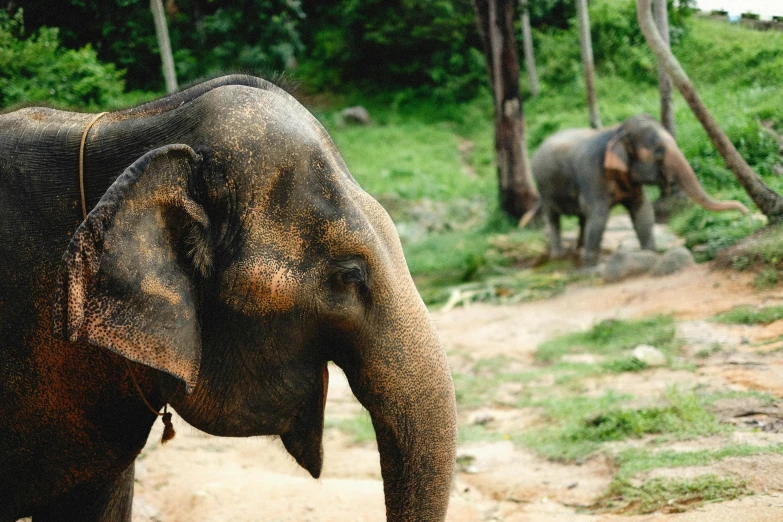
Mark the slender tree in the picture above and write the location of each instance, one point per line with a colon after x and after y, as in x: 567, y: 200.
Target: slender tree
x: 162, y: 31
x: 527, y: 44
x: 586, y: 46
x: 664, y: 83
x: 768, y: 201
x: 518, y: 195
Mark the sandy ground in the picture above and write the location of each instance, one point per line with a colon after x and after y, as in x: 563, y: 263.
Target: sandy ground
x: 199, y: 478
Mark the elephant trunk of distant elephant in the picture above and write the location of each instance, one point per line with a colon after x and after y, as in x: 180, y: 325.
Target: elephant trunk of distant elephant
x: 676, y: 165
x: 403, y: 379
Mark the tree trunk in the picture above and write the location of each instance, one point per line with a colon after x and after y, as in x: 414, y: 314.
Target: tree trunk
x: 769, y: 202
x: 162, y: 31
x: 586, y: 46
x: 664, y: 83
x: 527, y: 43
x: 518, y: 195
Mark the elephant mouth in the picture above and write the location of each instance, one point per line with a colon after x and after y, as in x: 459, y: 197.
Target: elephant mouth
x: 304, y: 440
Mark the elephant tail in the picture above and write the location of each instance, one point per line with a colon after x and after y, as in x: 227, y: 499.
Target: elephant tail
x: 529, y: 215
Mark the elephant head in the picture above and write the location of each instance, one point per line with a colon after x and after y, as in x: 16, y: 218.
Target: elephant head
x: 642, y: 151
x: 242, y: 265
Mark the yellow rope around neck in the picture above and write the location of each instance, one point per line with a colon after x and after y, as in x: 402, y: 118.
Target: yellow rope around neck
x: 81, y: 161
x: 168, y: 430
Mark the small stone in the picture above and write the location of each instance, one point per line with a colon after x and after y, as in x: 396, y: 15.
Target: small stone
x: 357, y: 115
x: 481, y: 418
x: 628, y: 264
x: 572, y: 485
x: 650, y: 355
x: 673, y: 261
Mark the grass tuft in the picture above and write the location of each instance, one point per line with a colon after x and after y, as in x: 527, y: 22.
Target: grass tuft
x: 612, y: 337
x: 670, y: 495
x: 751, y: 315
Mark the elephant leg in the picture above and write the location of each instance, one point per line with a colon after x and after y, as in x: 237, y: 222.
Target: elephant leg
x: 580, y: 242
x: 643, y: 217
x: 553, y: 229
x: 595, y: 225
x: 111, y: 502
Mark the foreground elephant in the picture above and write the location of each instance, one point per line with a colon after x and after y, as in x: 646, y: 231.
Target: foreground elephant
x: 233, y: 257
x: 585, y: 172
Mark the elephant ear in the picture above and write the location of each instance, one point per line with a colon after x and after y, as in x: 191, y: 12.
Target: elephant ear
x: 616, y: 158
x: 126, y: 279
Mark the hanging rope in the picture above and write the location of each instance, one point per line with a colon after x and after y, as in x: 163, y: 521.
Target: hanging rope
x: 168, y: 430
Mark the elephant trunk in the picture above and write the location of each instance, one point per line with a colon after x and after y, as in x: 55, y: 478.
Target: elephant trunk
x: 403, y: 379
x: 675, y: 163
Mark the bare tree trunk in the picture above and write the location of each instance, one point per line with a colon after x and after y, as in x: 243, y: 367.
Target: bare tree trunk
x: 664, y: 83
x: 769, y: 202
x: 518, y: 194
x: 162, y: 31
x: 586, y: 46
x: 527, y: 44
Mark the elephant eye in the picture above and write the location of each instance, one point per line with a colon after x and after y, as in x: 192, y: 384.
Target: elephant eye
x: 351, y: 275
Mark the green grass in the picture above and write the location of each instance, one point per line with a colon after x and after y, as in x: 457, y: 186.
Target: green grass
x: 633, y: 461
x: 751, y: 315
x: 580, y: 425
x: 670, y: 495
x: 612, y: 337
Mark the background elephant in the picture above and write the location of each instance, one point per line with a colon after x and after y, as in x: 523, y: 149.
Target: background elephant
x: 229, y: 255
x: 585, y: 172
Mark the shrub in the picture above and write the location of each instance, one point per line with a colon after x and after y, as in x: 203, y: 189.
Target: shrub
x: 38, y: 69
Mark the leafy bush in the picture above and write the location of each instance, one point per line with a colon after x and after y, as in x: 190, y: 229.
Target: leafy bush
x: 38, y: 69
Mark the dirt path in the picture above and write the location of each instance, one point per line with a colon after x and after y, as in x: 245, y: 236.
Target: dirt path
x: 198, y: 478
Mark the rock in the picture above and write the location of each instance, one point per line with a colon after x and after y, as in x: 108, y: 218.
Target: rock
x: 627, y: 264
x: 650, y: 355
x: 357, y: 115
x: 673, y: 261
x: 481, y: 417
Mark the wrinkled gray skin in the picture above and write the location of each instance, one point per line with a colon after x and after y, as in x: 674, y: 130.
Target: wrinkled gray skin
x: 229, y: 255
x: 585, y: 172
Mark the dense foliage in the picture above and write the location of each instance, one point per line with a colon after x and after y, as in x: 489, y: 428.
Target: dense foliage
x: 36, y: 67
x: 428, y: 45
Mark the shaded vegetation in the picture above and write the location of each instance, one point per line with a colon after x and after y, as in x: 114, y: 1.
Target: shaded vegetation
x: 36, y: 67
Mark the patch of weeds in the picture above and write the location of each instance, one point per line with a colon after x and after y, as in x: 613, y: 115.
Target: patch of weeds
x: 768, y: 278
x: 706, y: 352
x: 707, y: 233
x: 764, y: 398
x: 751, y: 315
x: 479, y: 385
x: 359, y: 427
x: 612, y: 337
x: 583, y: 424
x: 762, y: 252
x: 670, y: 495
x: 624, y: 364
x: 634, y: 460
